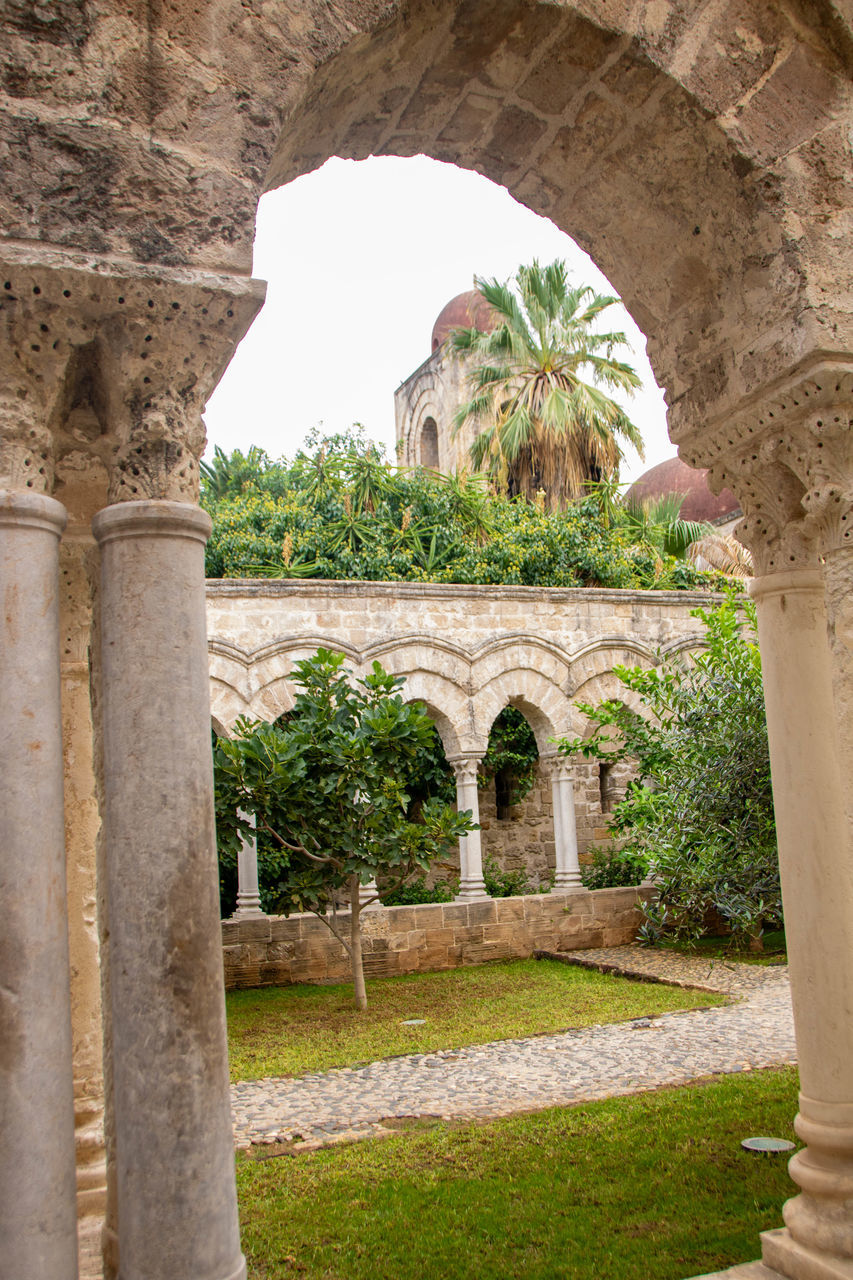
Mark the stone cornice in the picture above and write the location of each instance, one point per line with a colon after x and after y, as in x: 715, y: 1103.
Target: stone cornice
x: 271, y: 588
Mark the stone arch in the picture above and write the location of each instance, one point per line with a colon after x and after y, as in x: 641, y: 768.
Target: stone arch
x: 416, y: 401
x: 603, y: 685
x: 603, y: 655
x: 219, y: 728
x: 226, y: 706
x: 562, y: 104
x: 698, y: 152
x: 428, y: 446
x: 543, y: 704
x: 519, y: 651
x: 447, y: 703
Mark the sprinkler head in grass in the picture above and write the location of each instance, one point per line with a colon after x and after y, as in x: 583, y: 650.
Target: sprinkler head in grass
x: 768, y: 1146
x: 413, y: 1022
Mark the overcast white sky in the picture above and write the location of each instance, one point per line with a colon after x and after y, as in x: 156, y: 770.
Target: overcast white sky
x: 360, y: 257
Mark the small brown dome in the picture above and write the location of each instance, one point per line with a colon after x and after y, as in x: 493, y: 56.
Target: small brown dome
x: 674, y: 476
x: 466, y: 311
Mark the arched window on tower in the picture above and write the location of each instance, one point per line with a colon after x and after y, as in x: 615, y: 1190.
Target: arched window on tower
x: 429, y: 444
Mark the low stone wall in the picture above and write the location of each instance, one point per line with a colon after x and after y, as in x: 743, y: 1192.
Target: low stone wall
x: 276, y: 951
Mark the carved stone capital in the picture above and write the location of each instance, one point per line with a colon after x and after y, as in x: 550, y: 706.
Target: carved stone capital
x: 146, y: 344
x: 788, y: 456
x: 465, y: 769
x: 32, y: 360
x: 557, y: 768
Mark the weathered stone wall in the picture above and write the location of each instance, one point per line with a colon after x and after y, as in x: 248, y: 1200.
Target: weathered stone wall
x: 434, y: 392
x: 524, y: 840
x: 275, y: 951
x: 467, y: 652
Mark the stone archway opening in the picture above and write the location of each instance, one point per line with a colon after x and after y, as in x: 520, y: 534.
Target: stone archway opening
x: 429, y: 444
x: 701, y: 156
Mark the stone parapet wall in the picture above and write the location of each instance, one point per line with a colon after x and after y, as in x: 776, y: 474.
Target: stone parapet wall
x: 466, y: 652
x: 278, y: 950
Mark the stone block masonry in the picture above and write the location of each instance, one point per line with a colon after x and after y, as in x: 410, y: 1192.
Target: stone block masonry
x: 278, y: 950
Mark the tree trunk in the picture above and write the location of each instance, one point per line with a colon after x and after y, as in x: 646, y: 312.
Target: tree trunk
x: 355, y: 945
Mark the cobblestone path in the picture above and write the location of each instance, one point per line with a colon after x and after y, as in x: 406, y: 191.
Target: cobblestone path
x: 490, y: 1080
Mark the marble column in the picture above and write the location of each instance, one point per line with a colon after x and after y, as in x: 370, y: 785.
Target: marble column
x: 38, y: 1218
x: 177, y: 1213
x: 838, y: 589
x: 248, y: 894
x: 367, y: 894
x: 789, y: 459
x: 568, y: 873
x: 816, y: 863
x: 471, y: 883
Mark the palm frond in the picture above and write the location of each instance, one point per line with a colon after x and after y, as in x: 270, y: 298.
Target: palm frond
x: 721, y: 552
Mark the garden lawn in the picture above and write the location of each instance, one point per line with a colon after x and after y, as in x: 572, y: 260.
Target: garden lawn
x: 720, y: 948
x: 282, y: 1031
x: 650, y: 1187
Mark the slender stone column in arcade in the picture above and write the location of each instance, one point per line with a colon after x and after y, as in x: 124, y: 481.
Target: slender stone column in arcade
x: 471, y: 883
x: 248, y: 894
x: 177, y: 1212
x: 568, y: 872
x: 817, y: 886
x: 790, y: 467
x: 38, y: 1217
x: 173, y: 1162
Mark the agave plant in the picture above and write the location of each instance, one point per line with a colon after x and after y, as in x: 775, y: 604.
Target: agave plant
x: 655, y: 523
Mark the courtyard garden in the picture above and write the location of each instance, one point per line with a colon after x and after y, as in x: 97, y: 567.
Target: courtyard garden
x: 649, y: 1187
x: 280, y: 1031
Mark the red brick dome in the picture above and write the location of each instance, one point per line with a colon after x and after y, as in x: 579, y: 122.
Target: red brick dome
x: 674, y: 476
x: 466, y: 311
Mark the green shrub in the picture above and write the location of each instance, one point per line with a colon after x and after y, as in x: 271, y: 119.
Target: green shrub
x: 342, y: 511
x: 701, y: 811
x: 416, y: 892
x: 613, y: 869
x: 506, y: 884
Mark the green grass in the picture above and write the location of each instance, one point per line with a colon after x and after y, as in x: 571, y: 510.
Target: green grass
x: 650, y: 1187
x: 718, y: 947
x: 281, y: 1031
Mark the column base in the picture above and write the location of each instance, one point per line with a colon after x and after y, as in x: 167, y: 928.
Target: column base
x: 471, y: 893
x: 780, y: 1251
x: 248, y: 911
x: 568, y: 880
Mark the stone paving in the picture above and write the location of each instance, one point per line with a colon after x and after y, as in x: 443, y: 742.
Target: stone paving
x: 489, y: 1080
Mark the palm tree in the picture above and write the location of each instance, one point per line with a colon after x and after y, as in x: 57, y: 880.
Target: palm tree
x: 537, y: 382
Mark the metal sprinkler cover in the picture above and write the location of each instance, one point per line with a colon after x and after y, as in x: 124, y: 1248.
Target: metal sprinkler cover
x: 767, y: 1144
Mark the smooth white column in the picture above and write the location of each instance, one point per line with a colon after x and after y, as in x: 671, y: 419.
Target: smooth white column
x: 568, y: 872
x: 248, y: 893
x: 38, y: 1215
x: 471, y: 883
x: 369, y: 891
x: 177, y: 1209
x: 816, y: 863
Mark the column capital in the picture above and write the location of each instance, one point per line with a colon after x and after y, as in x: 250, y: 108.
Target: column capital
x: 557, y: 768
x: 465, y: 767
x: 787, y: 453
x: 148, y: 345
